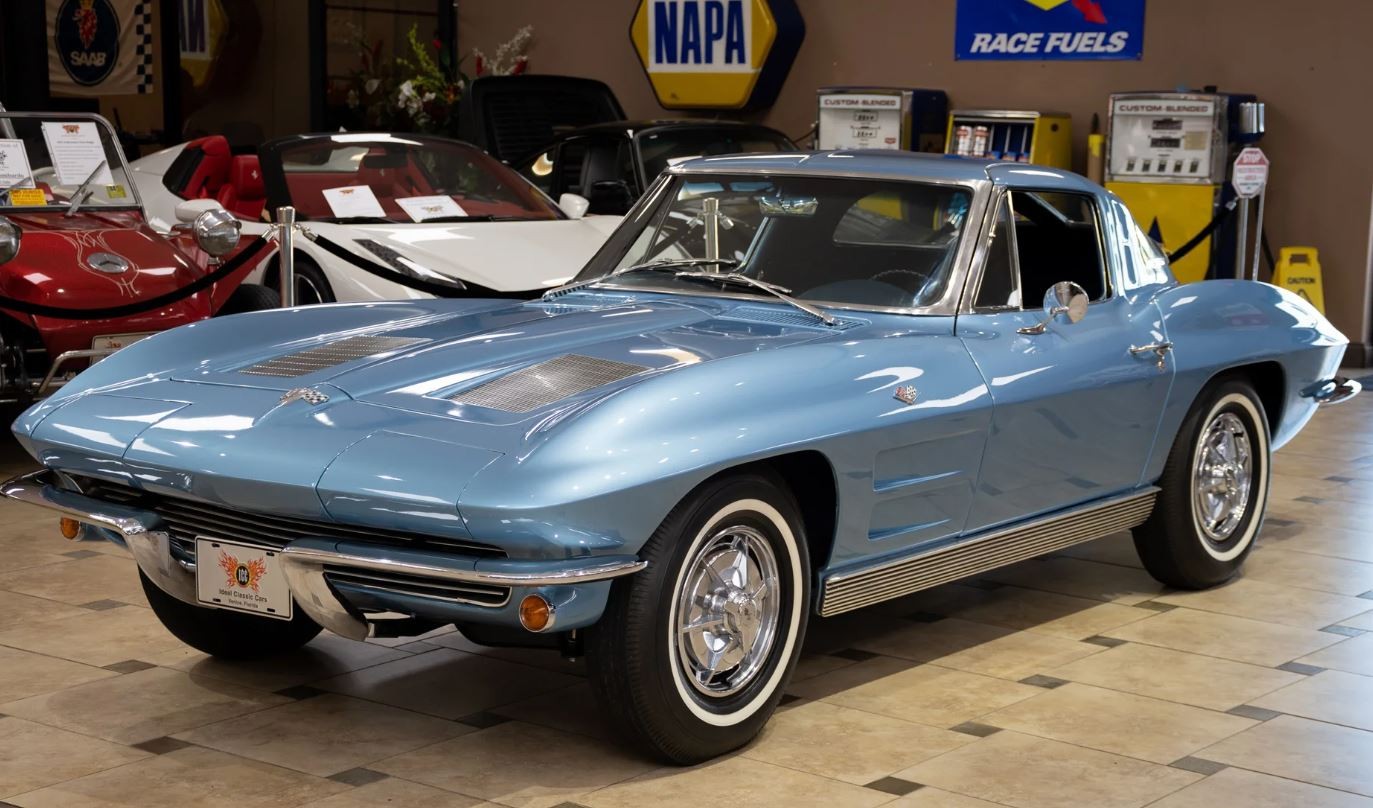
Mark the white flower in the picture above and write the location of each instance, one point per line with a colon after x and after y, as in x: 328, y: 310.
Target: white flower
x: 371, y: 85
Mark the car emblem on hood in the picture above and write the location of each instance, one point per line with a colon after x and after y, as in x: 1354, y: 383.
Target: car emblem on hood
x: 307, y: 394
x: 906, y: 394
x: 109, y: 263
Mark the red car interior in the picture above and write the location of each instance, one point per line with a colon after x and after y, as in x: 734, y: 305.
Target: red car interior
x: 211, y: 171
x: 244, y: 194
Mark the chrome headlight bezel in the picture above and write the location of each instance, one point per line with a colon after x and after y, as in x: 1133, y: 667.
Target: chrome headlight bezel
x: 10, y: 236
x: 217, y: 232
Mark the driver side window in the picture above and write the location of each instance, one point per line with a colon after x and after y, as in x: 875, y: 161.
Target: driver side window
x: 1041, y: 238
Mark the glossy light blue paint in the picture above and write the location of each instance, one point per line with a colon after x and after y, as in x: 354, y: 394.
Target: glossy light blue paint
x: 1004, y: 426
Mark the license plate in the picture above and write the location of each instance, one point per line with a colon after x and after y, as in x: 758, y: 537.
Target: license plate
x: 114, y: 342
x: 242, y: 578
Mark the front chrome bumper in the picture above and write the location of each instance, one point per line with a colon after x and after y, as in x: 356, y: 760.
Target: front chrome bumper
x: 310, y: 562
x: 1332, y: 391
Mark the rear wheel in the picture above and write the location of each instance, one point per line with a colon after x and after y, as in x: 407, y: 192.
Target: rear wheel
x: 225, y: 634
x: 693, y: 653
x: 1214, y: 491
x: 311, y: 284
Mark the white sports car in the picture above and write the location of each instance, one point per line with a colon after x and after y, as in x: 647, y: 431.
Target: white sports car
x: 433, y: 211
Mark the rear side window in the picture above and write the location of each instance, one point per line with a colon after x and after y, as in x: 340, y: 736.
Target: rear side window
x: 1056, y: 237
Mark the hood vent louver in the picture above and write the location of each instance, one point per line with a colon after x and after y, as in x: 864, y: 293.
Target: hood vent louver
x: 328, y: 355
x: 538, y: 385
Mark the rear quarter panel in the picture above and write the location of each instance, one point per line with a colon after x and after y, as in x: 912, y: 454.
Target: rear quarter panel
x: 1219, y: 325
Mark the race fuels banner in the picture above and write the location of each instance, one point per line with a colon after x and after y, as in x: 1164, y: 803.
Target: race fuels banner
x: 100, y: 47
x: 1045, y: 30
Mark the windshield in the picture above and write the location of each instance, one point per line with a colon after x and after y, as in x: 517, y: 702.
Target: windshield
x: 393, y: 179
x: 834, y: 240
x: 661, y: 148
x: 45, y: 159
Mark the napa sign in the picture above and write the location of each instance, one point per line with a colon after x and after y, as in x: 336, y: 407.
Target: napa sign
x: 716, y: 54
x: 1042, y: 30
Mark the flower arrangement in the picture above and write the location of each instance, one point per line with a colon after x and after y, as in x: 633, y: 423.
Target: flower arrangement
x: 420, y: 91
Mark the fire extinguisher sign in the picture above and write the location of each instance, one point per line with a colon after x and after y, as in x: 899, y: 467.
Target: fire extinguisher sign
x: 1044, y: 30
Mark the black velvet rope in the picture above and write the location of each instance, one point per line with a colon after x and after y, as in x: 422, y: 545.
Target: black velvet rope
x: 138, y: 307
x: 418, y: 284
x: 1217, y: 221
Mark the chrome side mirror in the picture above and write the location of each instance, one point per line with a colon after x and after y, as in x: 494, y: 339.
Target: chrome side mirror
x: 1065, y: 300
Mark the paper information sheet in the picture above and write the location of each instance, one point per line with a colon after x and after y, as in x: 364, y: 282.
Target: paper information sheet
x: 353, y: 200
x: 14, y: 165
x: 76, y: 151
x: 420, y: 208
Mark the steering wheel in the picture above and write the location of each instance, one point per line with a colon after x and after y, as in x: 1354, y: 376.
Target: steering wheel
x: 919, y: 276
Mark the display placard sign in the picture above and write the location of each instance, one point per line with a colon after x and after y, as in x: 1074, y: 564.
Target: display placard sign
x: 77, y: 153
x: 1250, y: 173
x: 422, y: 208
x: 14, y: 165
x: 1044, y: 30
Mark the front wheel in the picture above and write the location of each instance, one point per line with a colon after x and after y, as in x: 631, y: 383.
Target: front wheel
x: 225, y: 634
x: 1214, y: 491
x: 693, y: 652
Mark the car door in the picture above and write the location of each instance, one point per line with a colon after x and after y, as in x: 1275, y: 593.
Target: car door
x: 1076, y: 406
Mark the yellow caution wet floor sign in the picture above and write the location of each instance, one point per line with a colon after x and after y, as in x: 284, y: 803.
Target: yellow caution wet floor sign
x: 1299, y: 270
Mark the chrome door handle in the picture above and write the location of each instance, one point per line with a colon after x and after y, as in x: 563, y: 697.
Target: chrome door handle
x: 1159, y: 349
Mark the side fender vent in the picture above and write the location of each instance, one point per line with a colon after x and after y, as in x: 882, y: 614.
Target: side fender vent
x: 328, y: 355
x: 546, y: 382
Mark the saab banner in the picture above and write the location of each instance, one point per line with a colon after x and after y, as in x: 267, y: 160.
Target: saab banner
x: 100, y: 47
x: 1043, y: 30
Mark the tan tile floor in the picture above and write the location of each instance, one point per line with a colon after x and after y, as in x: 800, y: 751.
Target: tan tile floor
x: 1074, y: 680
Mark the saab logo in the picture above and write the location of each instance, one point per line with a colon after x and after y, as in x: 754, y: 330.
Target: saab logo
x: 1049, y: 29
x: 725, y: 54
x: 240, y: 574
x: 86, y: 36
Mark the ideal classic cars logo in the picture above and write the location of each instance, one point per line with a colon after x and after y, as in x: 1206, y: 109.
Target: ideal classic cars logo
x: 721, y: 54
x: 87, y: 39
x: 244, y: 575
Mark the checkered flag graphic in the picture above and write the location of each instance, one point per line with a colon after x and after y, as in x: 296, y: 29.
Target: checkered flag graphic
x: 143, y: 45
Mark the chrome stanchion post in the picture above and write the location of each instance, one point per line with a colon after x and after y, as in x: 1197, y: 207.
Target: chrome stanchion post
x: 286, y: 237
x: 1258, y: 234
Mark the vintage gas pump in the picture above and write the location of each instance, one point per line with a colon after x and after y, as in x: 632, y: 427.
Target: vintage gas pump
x: 881, y: 118
x: 1017, y: 136
x: 1168, y: 156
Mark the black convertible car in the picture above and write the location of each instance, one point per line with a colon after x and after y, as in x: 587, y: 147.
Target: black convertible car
x: 611, y: 164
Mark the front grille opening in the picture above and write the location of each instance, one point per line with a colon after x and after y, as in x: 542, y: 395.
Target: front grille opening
x: 187, y: 518
x: 419, y: 586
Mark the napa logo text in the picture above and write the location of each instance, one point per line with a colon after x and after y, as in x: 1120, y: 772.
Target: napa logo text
x: 700, y: 36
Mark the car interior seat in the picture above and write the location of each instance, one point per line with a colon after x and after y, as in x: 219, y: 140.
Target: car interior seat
x: 244, y: 194
x: 211, y: 170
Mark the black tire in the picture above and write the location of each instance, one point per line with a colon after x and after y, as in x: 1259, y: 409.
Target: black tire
x: 1174, y: 544
x: 250, y: 297
x: 635, y: 657
x: 225, y: 634
x: 312, y: 285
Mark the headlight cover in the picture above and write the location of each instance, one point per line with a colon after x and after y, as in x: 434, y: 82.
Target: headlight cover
x: 9, y: 239
x: 217, y: 232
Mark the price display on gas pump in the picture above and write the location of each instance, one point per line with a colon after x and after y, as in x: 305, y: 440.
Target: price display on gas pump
x: 1250, y: 172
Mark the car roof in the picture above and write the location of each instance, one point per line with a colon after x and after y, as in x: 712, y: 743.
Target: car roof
x: 642, y: 125
x: 892, y: 164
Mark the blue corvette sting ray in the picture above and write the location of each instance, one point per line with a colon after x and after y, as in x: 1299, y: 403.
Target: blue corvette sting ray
x: 788, y: 386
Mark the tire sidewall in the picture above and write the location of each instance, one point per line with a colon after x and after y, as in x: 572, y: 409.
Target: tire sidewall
x: 731, y: 721
x: 1239, y: 400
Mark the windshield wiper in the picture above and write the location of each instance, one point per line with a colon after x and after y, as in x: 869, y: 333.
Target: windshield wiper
x: 359, y: 220
x: 780, y: 292
x: 83, y: 190
x: 655, y: 266
x: 448, y: 219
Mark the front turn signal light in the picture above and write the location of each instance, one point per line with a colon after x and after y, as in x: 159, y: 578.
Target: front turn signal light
x: 536, y: 613
x: 70, y: 527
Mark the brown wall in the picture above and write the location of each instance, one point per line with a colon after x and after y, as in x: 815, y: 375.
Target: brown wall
x: 1303, y: 59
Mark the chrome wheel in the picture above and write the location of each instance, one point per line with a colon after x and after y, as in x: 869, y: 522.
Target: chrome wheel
x: 1222, y: 475
x: 727, y: 611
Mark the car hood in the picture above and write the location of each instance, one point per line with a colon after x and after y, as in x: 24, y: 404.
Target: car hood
x: 505, y: 256
x: 378, y: 413
x: 444, y: 363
